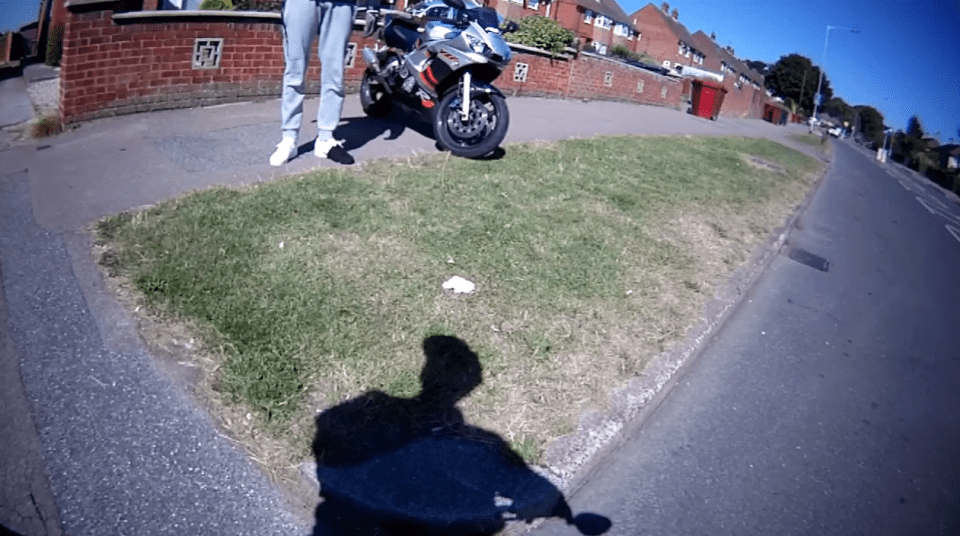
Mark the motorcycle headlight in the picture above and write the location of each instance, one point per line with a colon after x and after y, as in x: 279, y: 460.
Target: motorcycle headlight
x: 476, y: 43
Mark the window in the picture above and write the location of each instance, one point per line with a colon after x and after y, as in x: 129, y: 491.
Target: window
x: 533, y: 4
x: 520, y: 72
x: 588, y: 16
x: 602, y: 22
x: 680, y: 49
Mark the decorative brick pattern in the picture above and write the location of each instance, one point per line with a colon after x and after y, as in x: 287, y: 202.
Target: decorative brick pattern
x: 520, y: 72
x: 351, y: 58
x: 206, y: 53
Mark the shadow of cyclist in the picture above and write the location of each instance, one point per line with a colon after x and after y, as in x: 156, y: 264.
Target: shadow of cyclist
x: 400, y: 466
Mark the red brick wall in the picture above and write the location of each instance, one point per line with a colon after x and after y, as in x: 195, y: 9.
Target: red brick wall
x: 743, y: 102
x: 586, y: 78
x: 111, y: 67
x: 58, y: 13
x: 546, y: 76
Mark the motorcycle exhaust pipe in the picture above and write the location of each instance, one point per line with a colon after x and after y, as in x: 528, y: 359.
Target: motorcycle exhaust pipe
x: 370, y: 57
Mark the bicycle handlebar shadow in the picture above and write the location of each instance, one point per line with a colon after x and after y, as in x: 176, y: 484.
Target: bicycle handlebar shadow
x: 400, y: 466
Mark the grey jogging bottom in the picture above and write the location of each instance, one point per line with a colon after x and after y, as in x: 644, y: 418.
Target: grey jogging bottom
x: 302, y: 21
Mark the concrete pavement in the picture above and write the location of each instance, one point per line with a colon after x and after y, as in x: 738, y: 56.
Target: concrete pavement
x: 122, y: 448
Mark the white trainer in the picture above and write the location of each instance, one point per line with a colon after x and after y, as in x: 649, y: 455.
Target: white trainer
x: 286, y: 150
x: 333, y: 150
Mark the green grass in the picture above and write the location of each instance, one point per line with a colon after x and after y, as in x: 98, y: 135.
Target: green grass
x: 46, y: 126
x: 814, y: 140
x: 314, y: 289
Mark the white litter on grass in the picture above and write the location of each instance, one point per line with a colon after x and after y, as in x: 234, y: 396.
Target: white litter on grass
x: 459, y: 285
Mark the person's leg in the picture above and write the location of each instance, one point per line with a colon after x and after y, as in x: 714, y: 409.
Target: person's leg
x: 336, y: 24
x: 300, y: 19
x: 300, y: 25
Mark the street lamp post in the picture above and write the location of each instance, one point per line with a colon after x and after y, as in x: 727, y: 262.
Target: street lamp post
x: 823, y: 66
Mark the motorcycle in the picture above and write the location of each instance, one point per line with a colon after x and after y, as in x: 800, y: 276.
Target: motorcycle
x: 440, y: 58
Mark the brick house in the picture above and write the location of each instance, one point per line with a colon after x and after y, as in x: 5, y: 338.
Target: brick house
x: 739, y: 71
x: 665, y: 39
x: 598, y: 24
x: 711, y: 51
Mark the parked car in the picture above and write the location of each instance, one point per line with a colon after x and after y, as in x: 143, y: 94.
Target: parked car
x: 836, y: 132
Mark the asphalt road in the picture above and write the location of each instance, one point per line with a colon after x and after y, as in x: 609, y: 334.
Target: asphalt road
x: 828, y: 404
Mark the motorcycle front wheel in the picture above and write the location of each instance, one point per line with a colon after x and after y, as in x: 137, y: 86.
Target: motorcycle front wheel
x: 481, y: 132
x: 373, y: 97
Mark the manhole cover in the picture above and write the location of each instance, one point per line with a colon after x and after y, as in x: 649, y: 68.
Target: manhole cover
x: 805, y: 257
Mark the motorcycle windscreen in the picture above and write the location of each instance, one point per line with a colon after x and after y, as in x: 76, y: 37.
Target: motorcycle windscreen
x: 486, y: 17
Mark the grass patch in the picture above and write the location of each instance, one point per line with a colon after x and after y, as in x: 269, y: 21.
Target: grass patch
x: 813, y: 140
x: 46, y: 126
x: 590, y: 257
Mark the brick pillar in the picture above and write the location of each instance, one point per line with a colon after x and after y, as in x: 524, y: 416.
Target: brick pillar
x: 8, y: 48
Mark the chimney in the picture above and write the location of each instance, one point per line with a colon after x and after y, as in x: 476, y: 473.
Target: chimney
x: 675, y: 14
x: 713, y: 35
x: 665, y: 7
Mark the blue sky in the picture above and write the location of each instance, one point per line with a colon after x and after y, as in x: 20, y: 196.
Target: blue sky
x: 905, y: 60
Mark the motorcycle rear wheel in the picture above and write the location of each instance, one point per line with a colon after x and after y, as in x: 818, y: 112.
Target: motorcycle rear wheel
x: 481, y: 133
x: 373, y: 97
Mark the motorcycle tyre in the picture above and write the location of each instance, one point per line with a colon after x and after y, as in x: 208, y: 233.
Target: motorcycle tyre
x: 374, y: 106
x: 485, y: 146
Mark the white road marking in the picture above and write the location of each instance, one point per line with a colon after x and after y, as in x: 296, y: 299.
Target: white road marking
x: 938, y: 210
x: 954, y: 231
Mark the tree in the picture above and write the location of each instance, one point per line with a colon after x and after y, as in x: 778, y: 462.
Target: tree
x: 794, y: 77
x: 759, y: 66
x: 871, y: 124
x: 836, y: 107
x: 914, y: 128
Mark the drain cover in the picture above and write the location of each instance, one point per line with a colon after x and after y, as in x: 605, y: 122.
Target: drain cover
x: 805, y: 257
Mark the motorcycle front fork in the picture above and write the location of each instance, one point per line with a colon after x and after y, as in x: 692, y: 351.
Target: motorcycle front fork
x: 465, y: 83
